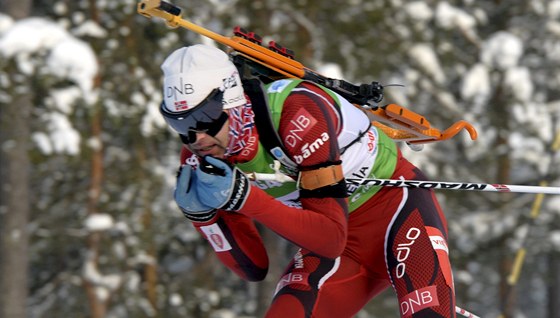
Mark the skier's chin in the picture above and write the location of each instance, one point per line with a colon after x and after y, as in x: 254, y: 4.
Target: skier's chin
x: 216, y: 151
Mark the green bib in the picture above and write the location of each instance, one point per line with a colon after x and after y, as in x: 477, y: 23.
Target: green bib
x: 383, y: 166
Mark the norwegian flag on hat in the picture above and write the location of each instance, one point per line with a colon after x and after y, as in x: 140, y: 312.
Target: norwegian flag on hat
x: 181, y: 105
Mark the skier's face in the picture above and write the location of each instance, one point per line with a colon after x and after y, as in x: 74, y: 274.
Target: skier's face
x: 214, y: 146
x: 208, y: 116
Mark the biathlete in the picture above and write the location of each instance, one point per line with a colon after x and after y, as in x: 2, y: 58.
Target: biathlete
x: 354, y: 241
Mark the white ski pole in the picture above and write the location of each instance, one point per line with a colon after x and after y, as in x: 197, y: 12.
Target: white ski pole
x: 465, y: 186
x: 469, y: 186
x: 465, y: 313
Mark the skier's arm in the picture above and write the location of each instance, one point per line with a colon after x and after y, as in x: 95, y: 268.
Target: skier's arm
x: 237, y: 244
x: 321, y: 226
x: 308, y: 128
x: 233, y: 237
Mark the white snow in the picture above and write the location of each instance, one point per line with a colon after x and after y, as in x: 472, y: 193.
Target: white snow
x: 43, y: 142
x: 152, y: 119
x: 90, y: 28
x: 65, y: 57
x: 530, y: 150
x: 31, y: 35
x: 63, y: 137
x: 75, y: 60
x: 502, y: 50
x: 98, y: 222
x: 133, y: 281
x: 554, y: 9
x: 224, y: 313
x: 60, y: 8
x: 330, y: 70
x: 63, y: 98
x: 449, y: 17
x: 6, y: 22
x: 555, y: 238
x: 518, y: 79
x: 476, y: 84
x: 464, y: 277
x: 104, y: 284
x: 426, y: 58
x: 537, y: 118
x: 175, y: 299
x: 418, y: 10
x: 553, y: 27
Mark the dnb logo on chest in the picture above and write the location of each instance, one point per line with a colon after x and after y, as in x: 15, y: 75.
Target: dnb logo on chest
x: 298, y: 126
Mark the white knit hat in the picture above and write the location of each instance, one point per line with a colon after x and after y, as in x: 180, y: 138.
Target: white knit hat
x: 191, y: 73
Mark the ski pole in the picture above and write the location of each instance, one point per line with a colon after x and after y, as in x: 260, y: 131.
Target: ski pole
x: 465, y: 186
x: 465, y: 313
x: 469, y: 186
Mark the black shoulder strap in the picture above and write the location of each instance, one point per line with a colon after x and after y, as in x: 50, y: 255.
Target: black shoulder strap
x: 268, y: 134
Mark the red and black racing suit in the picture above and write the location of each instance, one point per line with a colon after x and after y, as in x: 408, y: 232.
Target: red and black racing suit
x: 398, y: 237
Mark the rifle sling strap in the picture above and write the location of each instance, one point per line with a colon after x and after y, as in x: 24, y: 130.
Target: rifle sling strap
x: 313, y: 179
x: 268, y: 134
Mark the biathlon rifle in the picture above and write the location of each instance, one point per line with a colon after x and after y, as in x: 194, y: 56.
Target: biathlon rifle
x: 274, y: 62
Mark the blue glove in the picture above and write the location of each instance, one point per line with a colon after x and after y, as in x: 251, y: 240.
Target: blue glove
x: 187, y: 198
x: 220, y: 186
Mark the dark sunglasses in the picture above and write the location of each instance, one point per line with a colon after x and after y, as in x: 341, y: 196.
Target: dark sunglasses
x: 207, y: 117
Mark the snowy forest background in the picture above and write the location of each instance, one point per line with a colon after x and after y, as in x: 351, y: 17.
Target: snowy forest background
x: 88, y: 224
